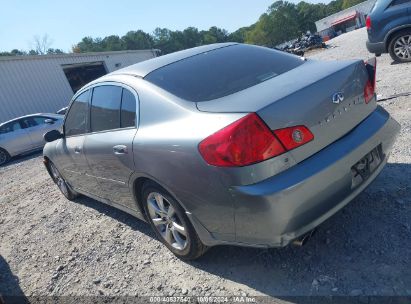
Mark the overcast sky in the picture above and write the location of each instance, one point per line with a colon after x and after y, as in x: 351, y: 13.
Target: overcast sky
x: 67, y: 22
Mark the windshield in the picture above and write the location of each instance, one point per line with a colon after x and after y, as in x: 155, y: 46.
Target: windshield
x: 222, y: 72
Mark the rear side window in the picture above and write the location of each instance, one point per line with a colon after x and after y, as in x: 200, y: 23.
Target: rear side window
x: 105, y: 108
x: 222, y: 72
x: 128, y: 109
x: 76, y: 119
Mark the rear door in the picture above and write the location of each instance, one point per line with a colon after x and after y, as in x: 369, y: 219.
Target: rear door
x: 396, y: 15
x: 14, y: 138
x: 108, y: 147
x: 72, y: 161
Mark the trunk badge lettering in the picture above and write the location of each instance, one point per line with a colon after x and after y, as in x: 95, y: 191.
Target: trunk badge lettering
x: 338, y: 98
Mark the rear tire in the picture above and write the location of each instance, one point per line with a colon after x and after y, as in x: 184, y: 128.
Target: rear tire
x: 61, y: 183
x: 172, y: 226
x: 4, y: 156
x: 400, y: 46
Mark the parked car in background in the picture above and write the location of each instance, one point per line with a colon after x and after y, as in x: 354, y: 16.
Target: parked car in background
x: 389, y: 29
x: 62, y: 111
x: 25, y: 134
x: 225, y: 144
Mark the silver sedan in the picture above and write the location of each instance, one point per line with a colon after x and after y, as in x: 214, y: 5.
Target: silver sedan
x: 25, y: 134
x: 225, y: 144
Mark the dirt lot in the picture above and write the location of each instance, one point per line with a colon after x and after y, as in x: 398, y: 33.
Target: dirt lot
x: 50, y: 246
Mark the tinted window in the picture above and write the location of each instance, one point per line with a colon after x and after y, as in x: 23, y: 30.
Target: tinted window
x: 128, y: 109
x: 76, y: 119
x: 10, y: 127
x: 399, y: 2
x: 28, y: 122
x: 222, y: 72
x: 105, y: 108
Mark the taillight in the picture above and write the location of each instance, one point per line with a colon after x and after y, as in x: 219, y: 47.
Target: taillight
x: 294, y: 137
x: 368, y: 23
x: 248, y: 141
x: 368, y: 91
x: 244, y: 142
x: 370, y: 86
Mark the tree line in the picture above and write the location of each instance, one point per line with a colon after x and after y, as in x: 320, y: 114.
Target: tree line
x: 281, y: 22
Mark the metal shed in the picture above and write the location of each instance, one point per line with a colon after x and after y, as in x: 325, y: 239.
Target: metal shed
x: 346, y: 20
x: 46, y: 83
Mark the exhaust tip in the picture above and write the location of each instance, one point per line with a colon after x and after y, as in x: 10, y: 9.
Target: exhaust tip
x: 302, y: 240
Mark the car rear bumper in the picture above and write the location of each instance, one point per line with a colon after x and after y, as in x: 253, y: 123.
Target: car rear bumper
x: 376, y: 47
x: 277, y: 210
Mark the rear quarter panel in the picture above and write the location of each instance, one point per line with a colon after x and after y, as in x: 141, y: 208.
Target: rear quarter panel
x: 165, y: 150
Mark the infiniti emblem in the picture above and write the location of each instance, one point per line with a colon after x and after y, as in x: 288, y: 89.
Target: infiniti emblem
x: 338, y: 97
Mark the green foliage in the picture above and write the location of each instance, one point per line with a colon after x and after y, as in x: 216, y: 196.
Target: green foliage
x: 277, y: 25
x: 16, y: 52
x: 283, y: 21
x: 348, y: 3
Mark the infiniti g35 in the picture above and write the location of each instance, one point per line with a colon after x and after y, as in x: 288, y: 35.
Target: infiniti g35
x: 225, y: 144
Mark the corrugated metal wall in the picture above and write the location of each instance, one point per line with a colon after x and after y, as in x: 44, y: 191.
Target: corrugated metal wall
x: 326, y: 23
x: 36, y: 84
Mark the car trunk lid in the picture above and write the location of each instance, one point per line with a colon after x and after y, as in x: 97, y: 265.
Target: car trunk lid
x: 326, y: 97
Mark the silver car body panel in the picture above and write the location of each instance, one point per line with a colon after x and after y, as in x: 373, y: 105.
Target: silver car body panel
x: 29, y: 139
x: 265, y: 204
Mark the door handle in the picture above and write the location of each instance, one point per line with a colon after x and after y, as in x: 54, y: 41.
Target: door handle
x: 120, y: 149
x: 77, y: 149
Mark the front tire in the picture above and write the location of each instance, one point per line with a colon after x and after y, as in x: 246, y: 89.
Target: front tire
x: 4, y: 156
x: 400, y: 46
x: 61, y: 182
x: 170, y: 223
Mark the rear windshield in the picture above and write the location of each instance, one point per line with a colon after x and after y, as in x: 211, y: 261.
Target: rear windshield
x: 222, y: 72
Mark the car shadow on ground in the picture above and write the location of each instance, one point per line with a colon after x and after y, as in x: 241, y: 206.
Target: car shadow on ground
x: 22, y: 158
x: 116, y: 214
x: 397, y: 62
x: 363, y: 249
x: 10, y: 291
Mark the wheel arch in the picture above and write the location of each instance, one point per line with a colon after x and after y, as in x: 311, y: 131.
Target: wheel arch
x: 394, y: 32
x: 137, y: 189
x: 46, y: 162
x: 202, y: 232
x: 5, y: 150
x: 8, y: 155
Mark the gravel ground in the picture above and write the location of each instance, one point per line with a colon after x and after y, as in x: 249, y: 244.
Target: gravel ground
x: 50, y: 246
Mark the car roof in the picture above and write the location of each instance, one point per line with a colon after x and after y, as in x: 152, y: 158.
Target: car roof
x: 32, y: 115
x: 143, y: 68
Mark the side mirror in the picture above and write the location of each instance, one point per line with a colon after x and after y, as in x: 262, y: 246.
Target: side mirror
x: 49, y: 121
x: 52, y: 135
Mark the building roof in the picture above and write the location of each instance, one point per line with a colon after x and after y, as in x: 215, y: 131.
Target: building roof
x: 143, y: 68
x: 345, y: 18
x: 75, y: 55
x: 327, y: 22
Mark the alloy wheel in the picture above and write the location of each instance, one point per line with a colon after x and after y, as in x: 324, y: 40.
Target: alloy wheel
x: 402, y: 47
x: 166, y: 221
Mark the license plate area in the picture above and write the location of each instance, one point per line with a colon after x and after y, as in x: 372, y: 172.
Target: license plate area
x: 366, y: 166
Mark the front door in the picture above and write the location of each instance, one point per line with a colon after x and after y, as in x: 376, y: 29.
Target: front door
x: 108, y: 146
